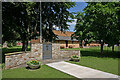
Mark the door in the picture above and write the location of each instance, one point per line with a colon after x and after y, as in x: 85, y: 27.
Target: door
x: 66, y: 43
x: 47, y: 51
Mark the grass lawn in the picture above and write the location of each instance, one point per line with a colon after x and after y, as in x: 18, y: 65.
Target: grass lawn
x: 91, y: 57
x: 109, y: 65
x: 43, y: 72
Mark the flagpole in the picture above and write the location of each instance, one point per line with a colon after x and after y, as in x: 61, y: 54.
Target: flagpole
x: 40, y: 24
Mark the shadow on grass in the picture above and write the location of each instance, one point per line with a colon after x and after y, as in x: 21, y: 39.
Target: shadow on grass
x: 95, y: 52
x: 28, y: 68
x: 110, y: 54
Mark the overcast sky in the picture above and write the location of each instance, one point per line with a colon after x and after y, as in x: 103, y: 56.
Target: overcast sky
x: 78, y: 8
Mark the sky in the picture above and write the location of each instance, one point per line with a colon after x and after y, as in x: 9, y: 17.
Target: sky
x: 78, y: 8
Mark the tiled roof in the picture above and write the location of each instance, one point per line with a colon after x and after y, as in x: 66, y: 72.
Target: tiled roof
x: 66, y: 33
x: 61, y: 36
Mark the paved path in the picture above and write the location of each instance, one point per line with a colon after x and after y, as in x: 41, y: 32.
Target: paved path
x: 80, y: 71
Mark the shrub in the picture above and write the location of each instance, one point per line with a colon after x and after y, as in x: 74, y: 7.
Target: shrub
x: 33, y: 62
x: 81, y: 46
x: 62, y: 47
x: 14, y: 44
x: 70, y: 46
x: 75, y: 58
x: 2, y: 66
x: 9, y: 44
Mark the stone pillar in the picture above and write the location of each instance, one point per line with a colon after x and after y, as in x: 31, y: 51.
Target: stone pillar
x: 55, y: 51
x: 36, y: 51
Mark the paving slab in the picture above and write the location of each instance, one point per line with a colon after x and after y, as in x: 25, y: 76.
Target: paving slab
x: 81, y: 71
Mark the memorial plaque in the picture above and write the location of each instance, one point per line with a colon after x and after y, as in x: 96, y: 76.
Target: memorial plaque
x: 47, y: 51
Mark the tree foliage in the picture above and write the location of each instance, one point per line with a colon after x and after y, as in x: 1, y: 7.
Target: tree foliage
x: 23, y: 19
x: 55, y: 14
x: 103, y: 21
x: 82, y: 29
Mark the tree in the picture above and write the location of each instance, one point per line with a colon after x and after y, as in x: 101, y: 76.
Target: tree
x: 103, y: 22
x: 23, y: 18
x: 112, y: 36
x: 82, y: 29
x: 18, y: 19
x: 55, y: 14
x: 116, y: 23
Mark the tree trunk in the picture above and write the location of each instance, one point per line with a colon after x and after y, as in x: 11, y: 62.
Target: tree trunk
x: 25, y: 45
x: 81, y: 43
x: 102, y: 47
x: 113, y: 48
x: 85, y: 43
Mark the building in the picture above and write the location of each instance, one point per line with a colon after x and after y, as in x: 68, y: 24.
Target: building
x: 65, y: 41
x: 94, y: 43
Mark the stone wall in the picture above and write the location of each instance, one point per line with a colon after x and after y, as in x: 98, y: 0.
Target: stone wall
x: 18, y: 58
x: 62, y: 54
x: 15, y: 59
x: 68, y: 53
